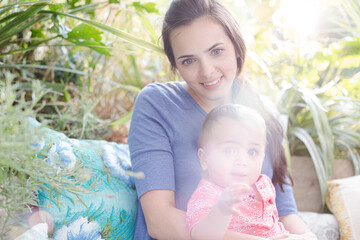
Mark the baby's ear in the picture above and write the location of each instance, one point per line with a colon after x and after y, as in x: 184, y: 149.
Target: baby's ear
x: 203, y: 162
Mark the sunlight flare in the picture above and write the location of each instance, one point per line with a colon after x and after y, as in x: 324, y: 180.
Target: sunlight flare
x: 300, y: 16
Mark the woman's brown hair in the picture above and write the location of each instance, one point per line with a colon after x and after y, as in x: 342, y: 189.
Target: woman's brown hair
x: 184, y: 12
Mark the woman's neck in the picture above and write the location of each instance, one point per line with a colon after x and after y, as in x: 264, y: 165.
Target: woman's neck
x: 206, y: 105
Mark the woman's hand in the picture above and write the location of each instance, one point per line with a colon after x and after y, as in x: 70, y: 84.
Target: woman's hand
x: 231, y: 196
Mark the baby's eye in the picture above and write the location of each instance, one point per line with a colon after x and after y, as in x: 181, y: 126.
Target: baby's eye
x: 230, y: 151
x: 253, y: 152
x: 217, y: 51
x: 188, y: 61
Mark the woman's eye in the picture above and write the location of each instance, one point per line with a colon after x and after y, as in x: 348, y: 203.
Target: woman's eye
x: 187, y: 61
x: 217, y: 51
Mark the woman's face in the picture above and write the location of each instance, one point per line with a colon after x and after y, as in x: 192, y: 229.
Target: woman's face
x: 205, y: 58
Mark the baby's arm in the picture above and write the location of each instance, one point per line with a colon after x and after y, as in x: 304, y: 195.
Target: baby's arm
x: 215, y: 224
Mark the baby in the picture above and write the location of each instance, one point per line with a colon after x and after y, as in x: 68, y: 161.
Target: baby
x: 234, y: 195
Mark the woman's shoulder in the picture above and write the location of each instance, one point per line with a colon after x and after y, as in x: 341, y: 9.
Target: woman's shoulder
x: 156, y: 89
x: 168, y: 95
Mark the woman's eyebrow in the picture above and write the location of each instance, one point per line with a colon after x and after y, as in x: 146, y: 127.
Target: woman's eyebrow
x: 185, y: 56
x: 212, y: 47
x: 207, y: 50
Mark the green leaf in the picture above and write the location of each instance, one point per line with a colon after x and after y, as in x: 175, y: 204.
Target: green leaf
x: 73, y: 3
x: 149, y: 27
x: 322, y: 126
x: 85, y: 32
x: 9, y: 17
x: 37, y: 33
x: 97, y: 46
x: 253, y: 56
x: 88, y: 36
x: 4, y: 43
x: 56, y: 7
x: 20, y: 28
x: 350, y: 48
x: 149, y: 7
x: 17, y: 24
x: 58, y: 27
x: 122, y: 120
x: 114, y: 1
x: 355, y: 158
x: 57, y: 87
x: 136, y: 70
x: 22, y: 3
x: 67, y: 96
x: 124, y: 35
x: 43, y: 67
x: 305, y: 137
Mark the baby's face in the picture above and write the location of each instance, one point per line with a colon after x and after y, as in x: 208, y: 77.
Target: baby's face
x: 233, y: 152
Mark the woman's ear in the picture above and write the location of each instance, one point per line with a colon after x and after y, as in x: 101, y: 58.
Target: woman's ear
x: 202, y: 157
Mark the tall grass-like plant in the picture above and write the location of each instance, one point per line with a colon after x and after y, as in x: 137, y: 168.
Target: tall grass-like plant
x: 70, y: 47
x: 349, y: 19
x: 14, y: 23
x: 314, y: 79
x: 321, y: 127
x: 22, y: 170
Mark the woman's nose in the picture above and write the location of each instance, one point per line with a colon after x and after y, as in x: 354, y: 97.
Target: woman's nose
x: 206, y: 69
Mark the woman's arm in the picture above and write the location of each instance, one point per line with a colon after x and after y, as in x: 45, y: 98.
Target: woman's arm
x: 230, y: 235
x: 294, y: 224
x: 163, y: 220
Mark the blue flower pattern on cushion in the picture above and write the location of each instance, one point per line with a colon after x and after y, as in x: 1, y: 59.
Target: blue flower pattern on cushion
x: 115, y: 156
x: 80, y: 229
x: 61, y: 155
x: 109, y: 210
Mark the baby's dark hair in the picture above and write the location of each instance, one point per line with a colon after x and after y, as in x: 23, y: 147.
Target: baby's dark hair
x: 240, y: 113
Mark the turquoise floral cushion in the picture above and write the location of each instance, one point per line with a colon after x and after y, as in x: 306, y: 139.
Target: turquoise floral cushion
x: 109, y: 210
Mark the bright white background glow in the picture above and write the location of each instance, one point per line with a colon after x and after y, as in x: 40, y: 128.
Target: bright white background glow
x: 301, y: 16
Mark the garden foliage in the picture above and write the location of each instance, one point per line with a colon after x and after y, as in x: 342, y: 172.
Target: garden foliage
x: 92, y: 57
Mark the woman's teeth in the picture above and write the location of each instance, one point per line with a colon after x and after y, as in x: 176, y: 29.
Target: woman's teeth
x: 212, y: 83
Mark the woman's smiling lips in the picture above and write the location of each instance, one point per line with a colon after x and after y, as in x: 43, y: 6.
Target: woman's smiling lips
x: 212, y: 84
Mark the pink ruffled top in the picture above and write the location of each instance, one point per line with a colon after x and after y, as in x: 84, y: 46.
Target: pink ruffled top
x: 258, y: 218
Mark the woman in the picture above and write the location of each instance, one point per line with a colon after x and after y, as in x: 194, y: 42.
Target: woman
x: 202, y: 41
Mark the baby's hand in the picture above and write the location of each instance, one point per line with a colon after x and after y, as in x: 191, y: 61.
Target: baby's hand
x: 231, y: 196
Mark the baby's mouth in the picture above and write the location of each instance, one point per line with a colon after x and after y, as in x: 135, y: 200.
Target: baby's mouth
x: 237, y: 175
